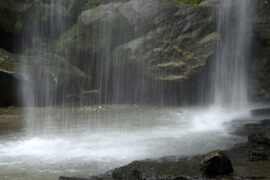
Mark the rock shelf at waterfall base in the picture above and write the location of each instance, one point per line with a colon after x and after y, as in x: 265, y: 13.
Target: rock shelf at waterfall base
x: 250, y: 160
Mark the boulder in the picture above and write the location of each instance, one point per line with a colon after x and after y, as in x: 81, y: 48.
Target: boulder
x: 165, y: 58
x: 10, y: 10
x: 10, y: 79
x: 154, y: 44
x: 216, y: 163
x: 102, y: 28
x: 148, y: 15
x: 43, y: 75
x: 12, y: 13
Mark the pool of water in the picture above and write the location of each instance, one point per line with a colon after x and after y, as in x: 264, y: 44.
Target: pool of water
x: 92, y: 140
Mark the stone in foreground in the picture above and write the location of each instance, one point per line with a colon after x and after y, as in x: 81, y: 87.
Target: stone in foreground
x: 216, y: 163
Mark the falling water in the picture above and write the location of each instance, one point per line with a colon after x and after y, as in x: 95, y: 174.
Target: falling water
x: 95, y: 139
x: 46, y: 21
x: 230, y: 74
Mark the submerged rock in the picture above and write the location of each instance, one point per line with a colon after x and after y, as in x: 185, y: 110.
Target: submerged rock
x: 216, y: 163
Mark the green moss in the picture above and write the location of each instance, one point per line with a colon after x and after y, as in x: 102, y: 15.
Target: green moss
x: 90, y: 4
x: 67, y: 39
x: 8, y: 61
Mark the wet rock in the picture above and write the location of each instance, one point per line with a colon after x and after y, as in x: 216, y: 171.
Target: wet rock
x: 148, y: 15
x: 50, y: 71
x: 71, y: 178
x: 179, y: 178
x: 102, y: 28
x: 129, y: 175
x: 169, y: 56
x: 216, y: 163
x: 256, y: 126
x: 160, y: 37
x: 261, y: 65
x: 172, y: 60
x: 10, y: 12
x: 259, y: 138
x: 10, y: 79
x: 257, y: 156
x: 210, y: 3
x: 261, y: 112
x: 81, y: 178
x: 266, y: 122
x: 164, y: 43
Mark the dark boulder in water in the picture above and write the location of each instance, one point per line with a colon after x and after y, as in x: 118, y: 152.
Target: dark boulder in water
x: 216, y: 163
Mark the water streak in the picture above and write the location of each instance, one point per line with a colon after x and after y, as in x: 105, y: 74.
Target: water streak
x: 230, y: 74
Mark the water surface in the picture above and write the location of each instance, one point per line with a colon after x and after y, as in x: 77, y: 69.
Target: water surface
x: 92, y: 140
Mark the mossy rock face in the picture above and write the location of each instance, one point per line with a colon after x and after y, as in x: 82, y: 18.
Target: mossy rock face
x: 154, y: 41
x: 174, y: 52
x: 174, y: 59
x: 66, y: 43
x: 260, y: 67
x: 42, y: 74
x: 10, y: 79
x: 101, y: 28
x: 11, y: 12
x: 110, y: 25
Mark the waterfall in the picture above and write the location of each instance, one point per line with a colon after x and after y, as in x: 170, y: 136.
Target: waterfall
x: 45, y: 23
x: 129, y: 54
x: 122, y: 75
x: 230, y: 67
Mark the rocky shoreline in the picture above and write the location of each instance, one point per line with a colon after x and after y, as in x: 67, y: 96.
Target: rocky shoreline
x: 250, y: 160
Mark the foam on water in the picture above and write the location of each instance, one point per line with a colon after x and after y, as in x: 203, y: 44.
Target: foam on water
x: 180, y: 134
